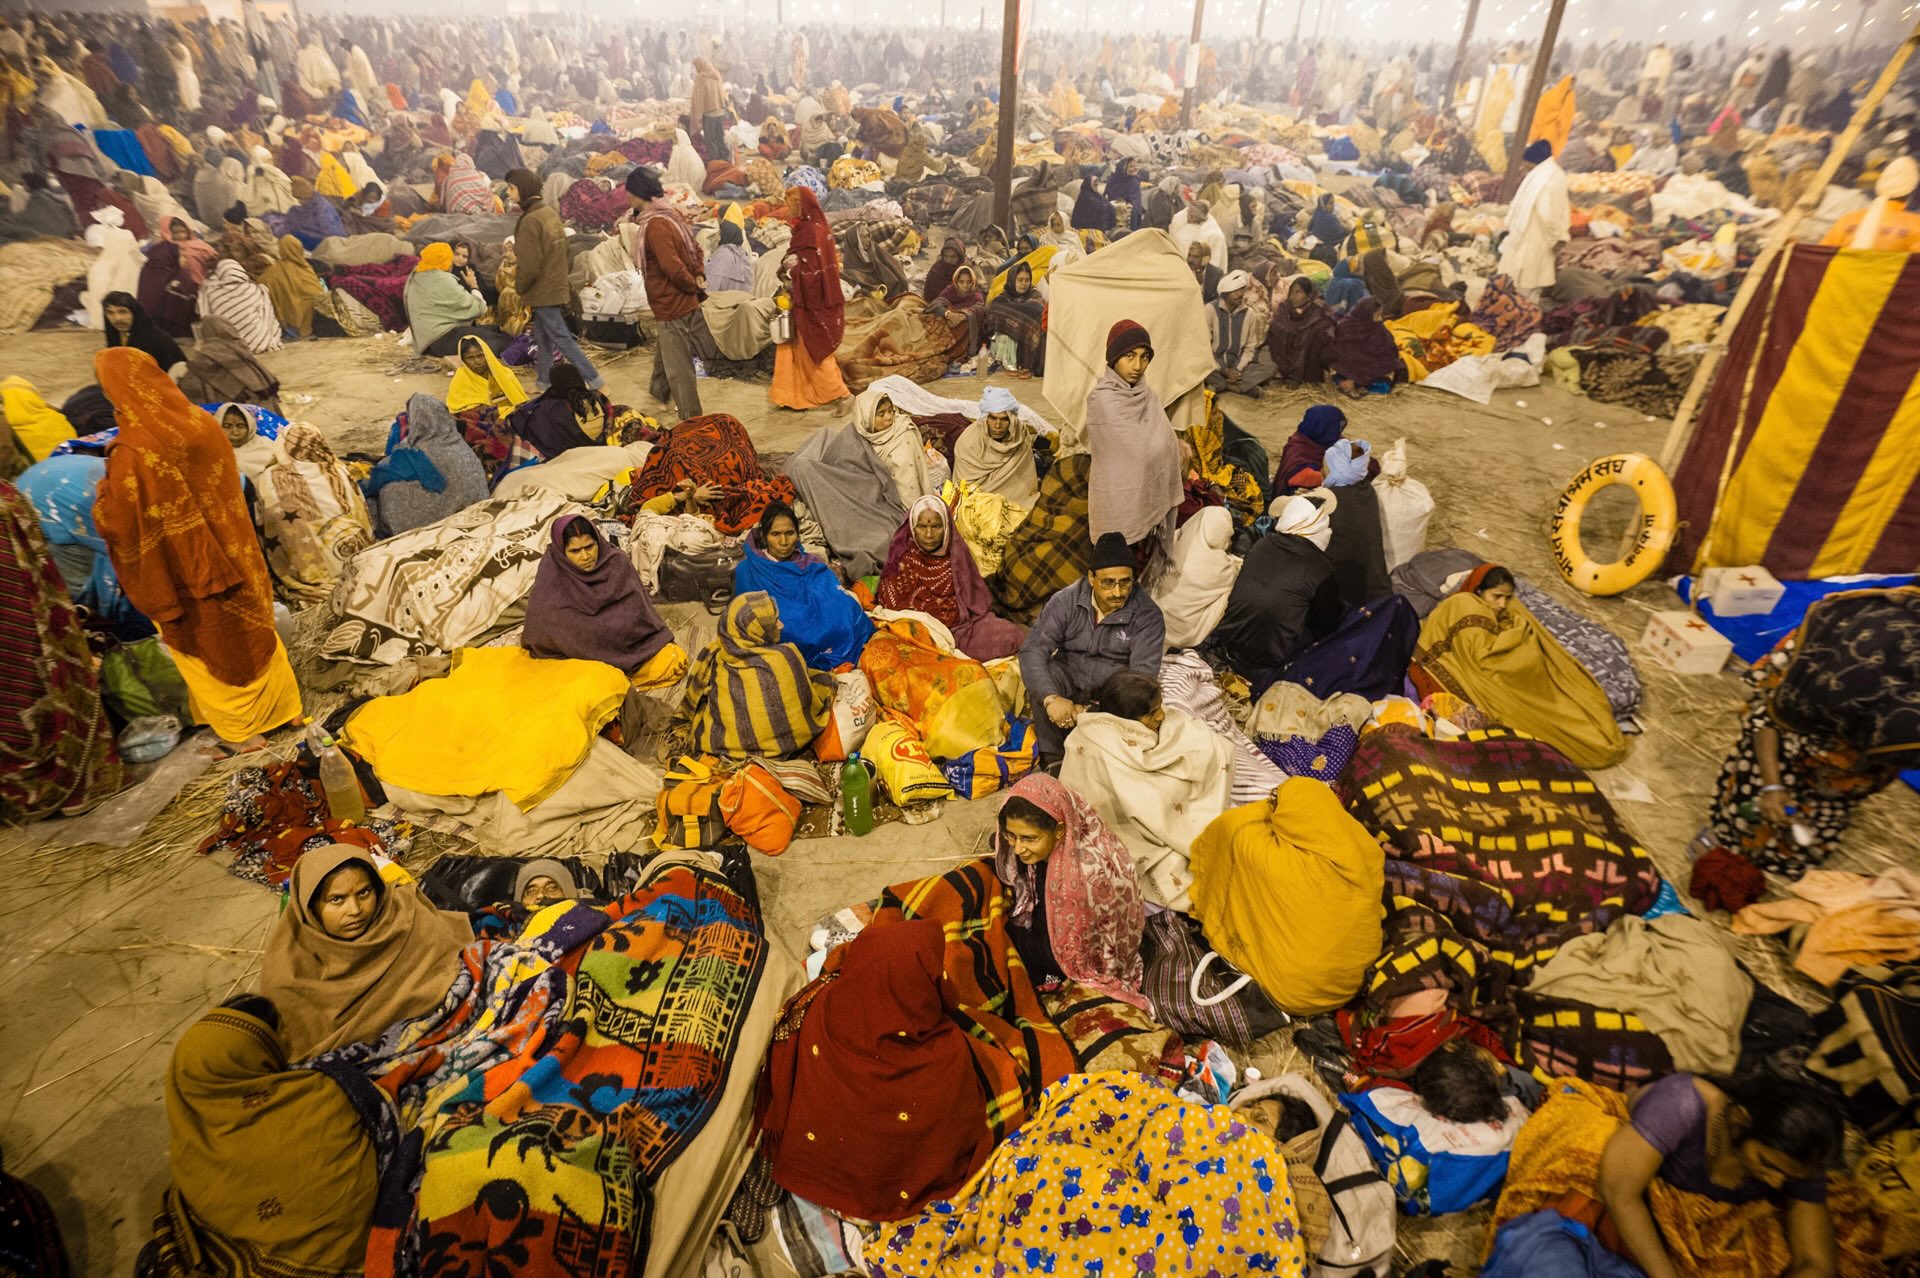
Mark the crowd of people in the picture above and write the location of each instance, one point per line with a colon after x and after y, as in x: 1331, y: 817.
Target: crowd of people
x: 1230, y: 710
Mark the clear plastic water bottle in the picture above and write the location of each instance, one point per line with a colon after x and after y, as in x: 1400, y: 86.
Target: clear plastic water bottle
x: 856, y: 796
x: 337, y: 782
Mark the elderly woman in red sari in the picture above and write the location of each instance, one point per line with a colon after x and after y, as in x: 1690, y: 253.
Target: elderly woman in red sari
x: 930, y: 570
x: 177, y: 530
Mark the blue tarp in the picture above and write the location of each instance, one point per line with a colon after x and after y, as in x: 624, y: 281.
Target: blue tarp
x: 1753, y: 637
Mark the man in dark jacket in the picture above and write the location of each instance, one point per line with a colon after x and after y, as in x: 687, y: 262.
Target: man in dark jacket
x: 1098, y: 625
x: 540, y: 245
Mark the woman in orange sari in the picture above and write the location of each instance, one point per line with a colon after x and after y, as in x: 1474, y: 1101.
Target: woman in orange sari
x: 177, y: 530
x: 805, y: 374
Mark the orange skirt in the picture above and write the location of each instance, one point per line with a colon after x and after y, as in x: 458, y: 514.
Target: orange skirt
x: 798, y: 382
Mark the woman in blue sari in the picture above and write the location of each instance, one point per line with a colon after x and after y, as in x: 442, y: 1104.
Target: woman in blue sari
x: 826, y: 623
x: 61, y: 490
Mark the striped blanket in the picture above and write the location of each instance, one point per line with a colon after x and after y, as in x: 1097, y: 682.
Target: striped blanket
x: 1499, y: 851
x: 1017, y: 1051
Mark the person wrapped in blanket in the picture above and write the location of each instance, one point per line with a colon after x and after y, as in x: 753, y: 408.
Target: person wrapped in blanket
x: 352, y: 953
x: 1833, y: 715
x: 1484, y: 645
x: 817, y: 615
x: 1156, y: 776
x: 1698, y: 1176
x: 749, y: 693
x: 236, y: 1202
x: 588, y: 604
x: 482, y: 396
x: 930, y: 570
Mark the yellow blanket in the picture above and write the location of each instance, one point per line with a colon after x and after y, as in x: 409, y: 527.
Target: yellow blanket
x: 502, y: 720
x: 1289, y: 890
x: 1519, y: 676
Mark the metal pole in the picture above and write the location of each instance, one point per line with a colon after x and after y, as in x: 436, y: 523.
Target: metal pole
x: 1460, y: 55
x: 1535, y: 82
x: 1193, y: 65
x: 1260, y: 21
x: 1293, y: 45
x: 1009, y: 113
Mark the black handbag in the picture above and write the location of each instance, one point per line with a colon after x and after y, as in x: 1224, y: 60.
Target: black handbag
x: 1195, y: 991
x: 702, y: 577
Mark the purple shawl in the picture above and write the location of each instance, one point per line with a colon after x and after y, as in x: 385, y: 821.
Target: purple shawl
x: 603, y: 615
x: 1363, y: 350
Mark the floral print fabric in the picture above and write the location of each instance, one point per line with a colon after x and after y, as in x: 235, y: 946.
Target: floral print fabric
x: 1113, y: 1177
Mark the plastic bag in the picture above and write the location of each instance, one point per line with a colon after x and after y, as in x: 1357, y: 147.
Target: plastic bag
x: 903, y: 765
x: 140, y: 681
x: 149, y: 739
x: 854, y: 712
x: 1405, y: 508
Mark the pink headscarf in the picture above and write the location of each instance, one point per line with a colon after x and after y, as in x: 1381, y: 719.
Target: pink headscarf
x: 1095, y: 911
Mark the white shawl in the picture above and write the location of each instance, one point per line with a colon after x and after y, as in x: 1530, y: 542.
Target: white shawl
x: 1193, y: 594
x: 1156, y: 792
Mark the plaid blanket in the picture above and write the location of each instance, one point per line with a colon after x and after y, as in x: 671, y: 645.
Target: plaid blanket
x: 1017, y: 1051
x: 1499, y: 851
x: 561, y: 1076
x: 1051, y: 550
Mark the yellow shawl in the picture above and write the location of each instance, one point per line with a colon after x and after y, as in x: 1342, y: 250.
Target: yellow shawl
x: 334, y: 180
x: 1289, y: 890
x: 37, y: 425
x: 470, y: 390
x: 1518, y: 675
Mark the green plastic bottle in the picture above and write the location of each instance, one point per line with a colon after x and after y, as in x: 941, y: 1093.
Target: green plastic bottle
x: 856, y: 796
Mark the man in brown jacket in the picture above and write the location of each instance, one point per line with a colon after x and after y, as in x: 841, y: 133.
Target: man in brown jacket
x: 540, y: 245
x: 676, y: 276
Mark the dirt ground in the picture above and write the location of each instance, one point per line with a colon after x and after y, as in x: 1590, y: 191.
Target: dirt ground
x: 117, y: 949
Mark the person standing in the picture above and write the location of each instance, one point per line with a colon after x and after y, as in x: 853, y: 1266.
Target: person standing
x: 805, y: 372
x: 676, y: 276
x: 540, y: 244
x: 175, y: 523
x: 1539, y: 221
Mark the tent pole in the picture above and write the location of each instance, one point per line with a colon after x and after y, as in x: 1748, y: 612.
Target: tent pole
x: 1193, y: 65
x: 1683, y: 420
x: 1459, y: 57
x: 1536, y: 84
x: 1009, y: 113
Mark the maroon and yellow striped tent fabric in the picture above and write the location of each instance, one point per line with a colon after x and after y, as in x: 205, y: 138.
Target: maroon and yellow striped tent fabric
x: 1826, y: 443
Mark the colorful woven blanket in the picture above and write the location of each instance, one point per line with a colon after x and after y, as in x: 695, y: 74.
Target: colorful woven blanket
x: 561, y: 1076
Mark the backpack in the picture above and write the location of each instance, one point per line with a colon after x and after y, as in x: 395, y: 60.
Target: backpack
x: 688, y: 808
x: 1360, y: 1202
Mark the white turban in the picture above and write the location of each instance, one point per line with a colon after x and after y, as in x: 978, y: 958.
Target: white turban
x: 1301, y: 516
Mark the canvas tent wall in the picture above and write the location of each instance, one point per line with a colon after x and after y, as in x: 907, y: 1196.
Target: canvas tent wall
x: 1806, y: 454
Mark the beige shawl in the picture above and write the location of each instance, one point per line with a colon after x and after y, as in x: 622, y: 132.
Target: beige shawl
x: 332, y: 992
x: 1157, y: 792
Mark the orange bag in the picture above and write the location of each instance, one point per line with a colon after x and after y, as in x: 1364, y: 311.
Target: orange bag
x: 758, y: 809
